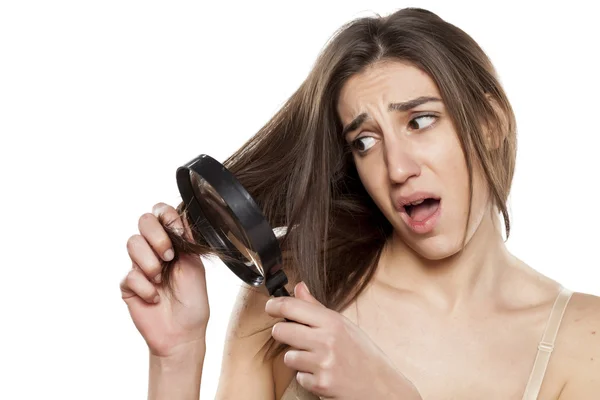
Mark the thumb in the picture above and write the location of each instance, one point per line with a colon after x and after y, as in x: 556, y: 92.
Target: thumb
x: 301, y: 292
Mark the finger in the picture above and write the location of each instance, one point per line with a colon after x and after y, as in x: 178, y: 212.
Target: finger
x: 170, y: 218
x: 155, y: 234
x: 301, y: 292
x: 319, y: 386
x: 298, y: 310
x: 299, y: 336
x: 304, y: 361
x: 136, y: 284
x: 142, y: 254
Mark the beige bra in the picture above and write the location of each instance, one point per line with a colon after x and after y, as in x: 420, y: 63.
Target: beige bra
x: 545, y: 347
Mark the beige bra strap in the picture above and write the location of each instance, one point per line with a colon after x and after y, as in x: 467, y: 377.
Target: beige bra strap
x: 546, y: 345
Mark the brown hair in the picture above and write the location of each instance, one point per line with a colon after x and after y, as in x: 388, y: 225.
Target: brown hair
x: 300, y: 171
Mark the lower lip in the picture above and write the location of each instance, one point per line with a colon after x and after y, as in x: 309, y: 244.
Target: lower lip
x: 425, y: 226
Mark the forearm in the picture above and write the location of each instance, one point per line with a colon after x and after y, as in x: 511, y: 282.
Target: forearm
x: 177, y: 377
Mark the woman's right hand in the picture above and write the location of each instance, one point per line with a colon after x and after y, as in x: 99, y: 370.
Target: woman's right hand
x: 169, y: 324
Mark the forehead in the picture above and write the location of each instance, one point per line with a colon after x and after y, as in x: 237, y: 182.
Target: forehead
x: 381, y: 84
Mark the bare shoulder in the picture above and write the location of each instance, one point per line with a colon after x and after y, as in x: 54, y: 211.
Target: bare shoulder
x: 244, y: 371
x: 579, y: 341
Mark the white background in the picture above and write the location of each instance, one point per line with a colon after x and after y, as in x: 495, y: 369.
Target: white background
x: 101, y: 101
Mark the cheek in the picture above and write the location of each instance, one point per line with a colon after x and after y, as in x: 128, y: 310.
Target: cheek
x: 374, y: 179
x: 450, y: 166
x: 454, y: 174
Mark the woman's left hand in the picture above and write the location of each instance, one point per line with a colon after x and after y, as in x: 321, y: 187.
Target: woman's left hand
x: 334, y: 358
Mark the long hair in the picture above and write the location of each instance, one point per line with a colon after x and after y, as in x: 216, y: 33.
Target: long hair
x: 301, y: 172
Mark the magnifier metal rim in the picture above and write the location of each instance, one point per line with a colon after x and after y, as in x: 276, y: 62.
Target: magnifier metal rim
x: 259, y: 233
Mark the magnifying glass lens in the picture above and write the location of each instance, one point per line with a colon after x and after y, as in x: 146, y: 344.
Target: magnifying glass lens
x: 224, y: 223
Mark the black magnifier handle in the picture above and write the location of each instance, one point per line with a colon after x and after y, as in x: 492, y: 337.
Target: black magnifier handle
x: 281, y: 292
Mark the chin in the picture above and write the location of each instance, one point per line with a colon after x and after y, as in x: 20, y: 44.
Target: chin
x: 433, y: 248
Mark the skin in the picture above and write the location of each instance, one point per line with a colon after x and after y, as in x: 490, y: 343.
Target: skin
x: 174, y: 330
x: 437, y: 321
x: 481, y: 300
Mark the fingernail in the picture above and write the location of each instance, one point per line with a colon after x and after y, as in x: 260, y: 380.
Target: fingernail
x: 157, y: 209
x: 156, y: 299
x: 271, y: 302
x: 169, y: 254
x: 158, y: 278
x: 305, y: 287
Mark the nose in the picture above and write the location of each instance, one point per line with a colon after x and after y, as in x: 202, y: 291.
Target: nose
x: 400, y: 162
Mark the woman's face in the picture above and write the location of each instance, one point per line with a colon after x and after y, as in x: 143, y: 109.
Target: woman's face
x: 409, y: 157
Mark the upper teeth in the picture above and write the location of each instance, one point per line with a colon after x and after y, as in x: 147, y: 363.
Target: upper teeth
x: 416, y: 203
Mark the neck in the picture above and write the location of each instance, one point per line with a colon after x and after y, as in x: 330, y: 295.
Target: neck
x: 470, y: 276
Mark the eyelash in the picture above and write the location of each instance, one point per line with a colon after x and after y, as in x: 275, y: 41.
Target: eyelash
x: 355, y: 142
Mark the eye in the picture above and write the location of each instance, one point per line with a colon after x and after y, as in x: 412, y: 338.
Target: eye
x: 363, y: 144
x: 429, y: 118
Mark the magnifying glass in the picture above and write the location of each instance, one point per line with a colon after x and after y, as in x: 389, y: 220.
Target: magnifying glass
x: 232, y: 224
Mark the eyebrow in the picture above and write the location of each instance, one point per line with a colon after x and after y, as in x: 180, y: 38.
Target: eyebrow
x: 404, y: 106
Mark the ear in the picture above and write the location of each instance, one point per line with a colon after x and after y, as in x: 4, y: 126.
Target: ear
x: 494, y: 134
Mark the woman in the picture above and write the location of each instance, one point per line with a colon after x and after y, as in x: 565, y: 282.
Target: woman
x: 391, y: 163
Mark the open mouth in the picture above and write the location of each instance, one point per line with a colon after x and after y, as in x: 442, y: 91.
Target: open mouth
x: 422, y: 209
